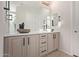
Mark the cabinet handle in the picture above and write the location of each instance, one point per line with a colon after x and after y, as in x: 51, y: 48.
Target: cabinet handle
x: 43, y: 36
x: 43, y: 42
x: 54, y: 36
x: 23, y: 41
x: 43, y: 51
x: 28, y: 40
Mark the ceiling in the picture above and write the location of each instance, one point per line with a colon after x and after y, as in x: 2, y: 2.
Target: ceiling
x: 14, y: 4
x: 18, y: 3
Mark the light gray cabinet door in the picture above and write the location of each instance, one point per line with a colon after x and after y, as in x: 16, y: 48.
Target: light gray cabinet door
x: 56, y: 37
x: 22, y: 46
x: 25, y: 50
x: 7, y: 47
x: 33, y: 45
x: 13, y: 46
x: 53, y: 41
x: 16, y: 46
x: 50, y: 43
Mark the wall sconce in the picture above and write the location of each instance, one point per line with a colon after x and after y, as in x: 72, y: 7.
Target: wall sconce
x: 59, y: 23
x: 59, y: 18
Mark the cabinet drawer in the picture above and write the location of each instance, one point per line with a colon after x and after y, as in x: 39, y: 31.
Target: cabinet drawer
x: 42, y: 36
x: 44, y: 44
x: 43, y: 40
x: 43, y: 50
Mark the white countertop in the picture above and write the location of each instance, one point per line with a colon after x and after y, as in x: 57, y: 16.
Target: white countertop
x: 20, y: 34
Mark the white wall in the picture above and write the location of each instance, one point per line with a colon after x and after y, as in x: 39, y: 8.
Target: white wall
x: 32, y: 15
x: 3, y: 26
x: 64, y: 9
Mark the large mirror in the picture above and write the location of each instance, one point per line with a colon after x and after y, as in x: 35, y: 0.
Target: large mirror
x: 33, y: 14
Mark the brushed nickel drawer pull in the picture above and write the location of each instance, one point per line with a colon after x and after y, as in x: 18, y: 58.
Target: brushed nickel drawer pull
x: 43, y: 42
x: 43, y: 36
x: 43, y: 51
x: 28, y: 40
x: 54, y: 36
x: 23, y: 41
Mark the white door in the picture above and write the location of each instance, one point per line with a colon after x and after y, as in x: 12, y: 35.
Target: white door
x: 75, y: 23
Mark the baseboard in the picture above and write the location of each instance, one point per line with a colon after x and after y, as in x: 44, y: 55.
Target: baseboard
x: 66, y: 52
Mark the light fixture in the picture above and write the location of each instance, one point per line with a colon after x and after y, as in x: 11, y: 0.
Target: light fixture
x: 48, y: 17
x: 46, y: 3
x: 59, y: 23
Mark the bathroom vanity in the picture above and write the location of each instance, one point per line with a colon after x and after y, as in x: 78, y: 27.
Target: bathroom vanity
x: 27, y: 19
x: 30, y: 44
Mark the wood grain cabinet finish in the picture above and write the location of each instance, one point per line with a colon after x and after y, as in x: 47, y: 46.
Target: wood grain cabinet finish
x: 56, y: 38
x: 43, y: 44
x: 50, y: 43
x: 53, y: 41
x: 16, y: 46
x: 7, y: 47
x: 31, y: 45
x: 13, y: 46
x: 21, y: 46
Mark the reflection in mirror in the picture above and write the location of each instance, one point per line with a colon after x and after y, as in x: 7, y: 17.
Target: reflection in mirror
x: 52, y: 23
x: 52, y: 20
x: 34, y: 15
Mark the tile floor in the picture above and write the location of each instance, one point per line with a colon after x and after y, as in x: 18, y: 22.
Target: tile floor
x: 58, y: 54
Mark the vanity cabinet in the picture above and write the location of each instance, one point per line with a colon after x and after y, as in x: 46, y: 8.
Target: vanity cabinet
x: 50, y: 43
x: 43, y: 44
x: 53, y: 41
x: 21, y: 46
x: 18, y: 46
x: 14, y: 46
x: 33, y: 45
x: 56, y: 38
x: 7, y: 47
